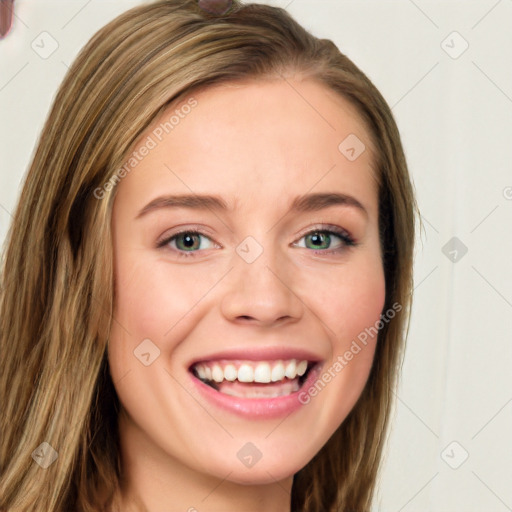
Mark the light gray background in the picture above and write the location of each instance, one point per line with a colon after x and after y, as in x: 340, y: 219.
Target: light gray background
x: 454, y: 111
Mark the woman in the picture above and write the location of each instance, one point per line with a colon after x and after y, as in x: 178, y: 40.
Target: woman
x: 171, y: 340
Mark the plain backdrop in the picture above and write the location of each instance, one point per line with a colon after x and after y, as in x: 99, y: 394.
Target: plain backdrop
x: 445, y: 68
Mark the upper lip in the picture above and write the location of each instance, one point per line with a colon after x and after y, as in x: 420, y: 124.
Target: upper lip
x: 260, y: 354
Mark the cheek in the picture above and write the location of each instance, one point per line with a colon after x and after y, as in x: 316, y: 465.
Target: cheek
x: 355, y: 300
x: 361, y: 305
x: 150, y: 303
x: 355, y: 309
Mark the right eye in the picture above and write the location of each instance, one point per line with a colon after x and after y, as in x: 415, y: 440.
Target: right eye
x: 185, y: 242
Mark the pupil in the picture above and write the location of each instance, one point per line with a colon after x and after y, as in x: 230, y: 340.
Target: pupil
x: 188, y: 241
x: 317, y: 238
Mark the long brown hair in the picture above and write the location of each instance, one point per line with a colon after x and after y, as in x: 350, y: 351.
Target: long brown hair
x: 57, y: 278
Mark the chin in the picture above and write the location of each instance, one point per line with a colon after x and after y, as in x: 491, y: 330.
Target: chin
x: 263, y: 472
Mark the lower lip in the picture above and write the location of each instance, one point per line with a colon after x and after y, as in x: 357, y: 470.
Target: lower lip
x: 258, y: 408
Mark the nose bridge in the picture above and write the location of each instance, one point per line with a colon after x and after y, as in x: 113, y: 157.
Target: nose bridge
x: 260, y: 284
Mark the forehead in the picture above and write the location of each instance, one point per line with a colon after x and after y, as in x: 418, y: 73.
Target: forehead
x: 262, y: 139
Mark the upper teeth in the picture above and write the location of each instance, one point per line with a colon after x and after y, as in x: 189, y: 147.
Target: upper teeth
x: 251, y: 371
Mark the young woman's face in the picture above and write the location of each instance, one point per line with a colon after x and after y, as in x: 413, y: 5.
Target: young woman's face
x: 244, y: 279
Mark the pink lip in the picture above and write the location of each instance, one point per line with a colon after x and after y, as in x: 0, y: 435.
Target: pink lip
x: 260, y: 354
x: 257, y: 408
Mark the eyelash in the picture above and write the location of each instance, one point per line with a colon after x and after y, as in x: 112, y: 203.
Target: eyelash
x: 347, y: 240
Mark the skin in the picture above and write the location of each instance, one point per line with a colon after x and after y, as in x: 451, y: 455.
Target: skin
x: 258, y: 144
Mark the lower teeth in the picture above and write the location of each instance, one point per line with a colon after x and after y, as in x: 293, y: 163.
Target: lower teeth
x: 284, y: 389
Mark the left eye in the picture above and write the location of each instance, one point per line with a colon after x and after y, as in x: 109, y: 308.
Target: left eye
x: 322, y: 239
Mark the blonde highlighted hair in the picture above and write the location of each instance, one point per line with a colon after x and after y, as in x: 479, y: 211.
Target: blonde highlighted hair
x: 57, y: 277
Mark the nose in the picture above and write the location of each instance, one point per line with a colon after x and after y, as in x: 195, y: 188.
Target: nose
x: 262, y: 292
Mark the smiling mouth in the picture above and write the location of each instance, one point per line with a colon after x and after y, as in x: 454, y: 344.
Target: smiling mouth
x: 254, y: 379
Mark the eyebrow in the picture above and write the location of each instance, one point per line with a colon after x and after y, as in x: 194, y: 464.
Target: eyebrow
x: 305, y: 203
